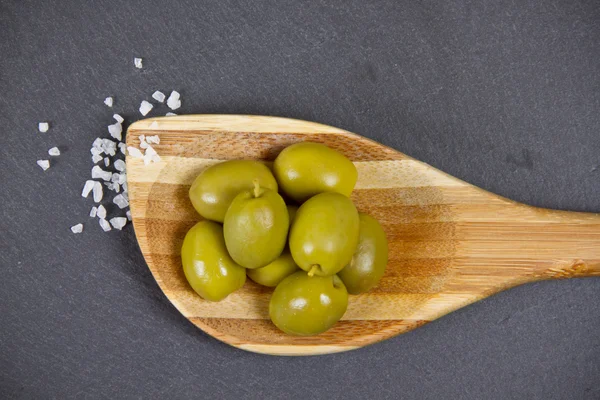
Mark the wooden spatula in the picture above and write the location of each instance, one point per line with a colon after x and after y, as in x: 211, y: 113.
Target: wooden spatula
x: 451, y: 243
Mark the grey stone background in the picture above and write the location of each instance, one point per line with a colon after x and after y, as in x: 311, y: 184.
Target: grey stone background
x: 503, y: 94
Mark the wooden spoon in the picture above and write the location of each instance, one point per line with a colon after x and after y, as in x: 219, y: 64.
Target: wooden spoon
x: 450, y: 243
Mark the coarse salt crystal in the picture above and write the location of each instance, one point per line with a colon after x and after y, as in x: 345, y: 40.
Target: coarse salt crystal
x: 119, y: 165
x: 144, y: 145
x: 150, y: 155
x: 145, y: 107
x: 94, y: 212
x: 124, y: 187
x: 97, y: 143
x: 159, y: 96
x: 98, y: 172
x: 96, y: 158
x: 134, y: 152
x: 101, y: 212
x: 128, y: 214
x: 121, y: 201
x: 108, y: 101
x: 170, y: 114
x: 122, y: 178
x: 87, y: 188
x: 115, y: 130
x: 44, y: 164
x: 106, y: 161
x: 97, y: 192
x: 137, y: 62
x: 116, y: 187
x: 153, y: 139
x: 43, y: 126
x: 77, y: 228
x: 173, y: 101
x: 118, y: 222
x: 104, y: 224
x: 114, y: 177
x: 118, y: 118
x: 122, y: 147
x: 54, y: 151
x: 109, y: 147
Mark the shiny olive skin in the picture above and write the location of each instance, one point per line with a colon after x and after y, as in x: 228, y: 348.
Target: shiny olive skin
x: 324, y: 235
x: 304, y: 306
x: 292, y: 210
x: 370, y: 258
x: 271, y: 274
x: 207, y: 266
x: 306, y: 169
x: 256, y: 227
x: 214, y: 189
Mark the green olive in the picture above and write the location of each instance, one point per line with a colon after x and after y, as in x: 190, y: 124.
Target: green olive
x: 256, y: 227
x: 370, y: 258
x: 273, y: 273
x: 292, y: 210
x: 214, y: 189
x: 324, y: 234
x: 303, y: 305
x: 207, y: 266
x: 306, y: 169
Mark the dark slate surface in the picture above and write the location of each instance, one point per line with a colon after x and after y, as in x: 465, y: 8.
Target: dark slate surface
x: 503, y: 94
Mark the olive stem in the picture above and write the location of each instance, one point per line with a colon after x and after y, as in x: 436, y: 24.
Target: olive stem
x: 313, y: 269
x: 257, y: 189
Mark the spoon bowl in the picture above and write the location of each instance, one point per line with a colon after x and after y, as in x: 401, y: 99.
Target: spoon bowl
x: 450, y: 243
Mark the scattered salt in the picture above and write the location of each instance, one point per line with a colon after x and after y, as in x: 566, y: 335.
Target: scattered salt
x: 108, y: 101
x: 122, y: 147
x: 118, y: 118
x: 134, y: 152
x: 43, y: 126
x: 121, y: 201
x: 153, y: 139
x: 115, y: 130
x: 114, y: 177
x: 93, y: 212
x: 106, y: 161
x: 120, y: 165
x: 109, y: 147
x: 124, y: 186
x: 173, y: 101
x: 54, y: 151
x: 159, y: 96
x: 116, y: 187
x: 137, y: 62
x: 87, y: 188
x: 170, y: 114
x: 101, y: 213
x: 118, y: 222
x: 128, y: 214
x: 98, y: 172
x: 104, y: 224
x: 122, y: 178
x: 96, y: 158
x: 145, y: 107
x: 144, y: 145
x: 77, y: 228
x: 44, y: 164
x: 97, y: 192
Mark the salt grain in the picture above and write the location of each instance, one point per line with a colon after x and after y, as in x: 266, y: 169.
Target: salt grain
x: 137, y: 62
x: 96, y: 158
x: 87, y: 188
x: 43, y: 126
x: 109, y: 147
x: 77, y: 228
x: 153, y: 139
x: 94, y: 212
x: 118, y: 222
x: 106, y: 161
x: 144, y: 145
x: 114, y: 177
x: 173, y: 101
x: 159, y: 96
x: 121, y: 201
x: 128, y: 214
x: 54, y: 151
x: 98, y: 172
x: 124, y: 187
x: 105, y: 225
x: 44, y: 164
x: 145, y: 107
x: 118, y: 118
x: 122, y: 178
x: 97, y: 192
x: 115, y: 130
x: 170, y: 114
x: 134, y: 152
x: 122, y: 147
x: 120, y: 165
x: 101, y: 212
x: 153, y: 125
x: 108, y: 101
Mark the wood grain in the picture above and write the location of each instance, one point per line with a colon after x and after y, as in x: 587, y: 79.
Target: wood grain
x: 451, y: 243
